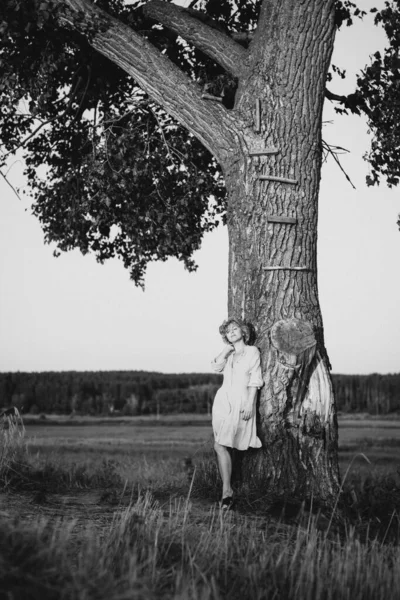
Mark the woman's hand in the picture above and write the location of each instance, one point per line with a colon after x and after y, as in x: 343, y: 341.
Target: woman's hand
x: 246, y: 411
x: 222, y: 357
x: 228, y: 349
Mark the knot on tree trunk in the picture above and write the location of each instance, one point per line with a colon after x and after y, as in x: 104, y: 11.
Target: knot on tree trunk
x: 298, y: 382
x: 293, y: 346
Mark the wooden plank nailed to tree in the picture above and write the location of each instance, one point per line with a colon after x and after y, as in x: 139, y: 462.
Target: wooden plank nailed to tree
x: 278, y: 219
x: 286, y: 268
x: 263, y: 151
x: 258, y: 115
x: 276, y: 178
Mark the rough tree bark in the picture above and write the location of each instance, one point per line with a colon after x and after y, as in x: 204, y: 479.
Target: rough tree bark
x: 297, y: 421
x: 271, y: 223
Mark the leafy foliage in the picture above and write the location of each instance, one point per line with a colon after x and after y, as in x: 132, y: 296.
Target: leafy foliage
x: 346, y: 11
x: 109, y: 171
x: 379, y: 84
x: 98, y: 152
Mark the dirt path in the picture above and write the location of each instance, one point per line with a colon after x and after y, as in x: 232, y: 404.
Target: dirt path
x: 85, y: 507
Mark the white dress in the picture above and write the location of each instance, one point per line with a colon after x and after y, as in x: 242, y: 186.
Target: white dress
x: 230, y: 429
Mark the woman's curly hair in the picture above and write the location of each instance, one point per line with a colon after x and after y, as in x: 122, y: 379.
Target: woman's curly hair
x: 248, y: 331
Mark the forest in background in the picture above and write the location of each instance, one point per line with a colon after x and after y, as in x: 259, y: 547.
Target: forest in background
x: 151, y: 393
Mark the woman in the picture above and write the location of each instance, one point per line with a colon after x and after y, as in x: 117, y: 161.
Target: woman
x: 234, y: 410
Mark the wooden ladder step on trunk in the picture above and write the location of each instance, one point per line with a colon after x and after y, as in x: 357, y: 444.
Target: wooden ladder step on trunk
x: 281, y: 268
x: 263, y: 151
x: 279, y: 219
x: 279, y: 179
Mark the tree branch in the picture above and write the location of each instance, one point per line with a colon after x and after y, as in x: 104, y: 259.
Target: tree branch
x: 334, y: 97
x: 189, y: 24
x: 10, y: 184
x: 164, y: 82
x: 29, y: 137
x: 353, y: 102
x: 23, y: 143
x: 334, y: 152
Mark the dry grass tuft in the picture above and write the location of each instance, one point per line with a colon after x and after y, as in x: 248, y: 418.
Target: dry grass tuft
x: 12, y: 442
x: 22, y: 471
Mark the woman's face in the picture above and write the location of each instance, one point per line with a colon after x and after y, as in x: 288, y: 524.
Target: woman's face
x: 233, y: 333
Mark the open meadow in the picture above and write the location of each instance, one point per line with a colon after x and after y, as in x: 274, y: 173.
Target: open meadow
x: 129, y: 440
x: 127, y: 508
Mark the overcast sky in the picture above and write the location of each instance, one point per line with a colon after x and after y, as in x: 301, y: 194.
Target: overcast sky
x: 71, y: 313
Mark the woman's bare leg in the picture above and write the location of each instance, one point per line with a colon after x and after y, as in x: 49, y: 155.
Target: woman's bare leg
x: 225, y: 468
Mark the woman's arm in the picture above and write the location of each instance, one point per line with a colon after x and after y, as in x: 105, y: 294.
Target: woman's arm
x: 219, y: 361
x: 255, y: 382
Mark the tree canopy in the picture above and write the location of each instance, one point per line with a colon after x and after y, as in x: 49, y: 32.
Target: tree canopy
x: 109, y: 170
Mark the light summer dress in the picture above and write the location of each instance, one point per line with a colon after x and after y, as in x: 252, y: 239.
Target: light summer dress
x: 229, y: 427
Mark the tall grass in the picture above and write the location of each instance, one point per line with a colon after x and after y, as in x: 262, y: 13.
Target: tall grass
x: 153, y: 552
x: 20, y: 470
x: 12, y: 443
x: 185, y: 549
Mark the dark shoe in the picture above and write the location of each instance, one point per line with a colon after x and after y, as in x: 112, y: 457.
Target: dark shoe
x: 227, y: 503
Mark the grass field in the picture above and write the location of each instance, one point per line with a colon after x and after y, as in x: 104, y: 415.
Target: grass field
x: 110, y: 510
x: 138, y: 448
x: 179, y: 437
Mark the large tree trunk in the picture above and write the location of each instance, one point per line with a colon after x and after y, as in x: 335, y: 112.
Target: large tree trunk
x: 297, y: 418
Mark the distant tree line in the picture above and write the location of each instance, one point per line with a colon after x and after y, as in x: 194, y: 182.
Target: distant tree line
x: 150, y: 393
x: 375, y: 394
x: 108, y: 392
